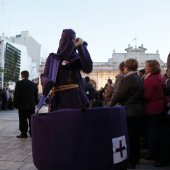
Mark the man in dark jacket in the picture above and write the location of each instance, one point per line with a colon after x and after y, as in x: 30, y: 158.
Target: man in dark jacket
x: 89, y: 90
x: 25, y: 99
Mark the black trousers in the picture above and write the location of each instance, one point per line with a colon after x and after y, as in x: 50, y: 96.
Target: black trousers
x: 134, y: 124
x: 165, y: 145
x: 25, y: 120
x: 154, y: 127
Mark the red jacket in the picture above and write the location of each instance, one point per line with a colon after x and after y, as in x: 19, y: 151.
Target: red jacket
x: 154, y: 99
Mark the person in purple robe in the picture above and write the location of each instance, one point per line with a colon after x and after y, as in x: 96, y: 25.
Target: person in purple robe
x: 62, y: 73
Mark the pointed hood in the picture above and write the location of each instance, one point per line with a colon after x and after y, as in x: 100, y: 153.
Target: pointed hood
x: 66, y: 46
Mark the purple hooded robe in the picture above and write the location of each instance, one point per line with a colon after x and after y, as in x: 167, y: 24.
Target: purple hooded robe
x: 57, y: 74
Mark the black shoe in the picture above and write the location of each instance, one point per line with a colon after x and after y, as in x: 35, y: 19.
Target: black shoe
x: 22, y: 136
x: 159, y: 163
x: 131, y: 166
x: 149, y: 157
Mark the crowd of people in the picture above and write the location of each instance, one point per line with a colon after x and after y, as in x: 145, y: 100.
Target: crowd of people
x: 6, y: 98
x: 146, y: 98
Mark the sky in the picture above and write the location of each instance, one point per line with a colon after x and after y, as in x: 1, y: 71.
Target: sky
x: 106, y: 25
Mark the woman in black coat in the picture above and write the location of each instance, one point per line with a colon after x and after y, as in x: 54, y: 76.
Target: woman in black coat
x: 129, y: 95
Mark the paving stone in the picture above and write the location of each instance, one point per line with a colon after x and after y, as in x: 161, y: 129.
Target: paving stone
x: 3, y: 156
x: 5, y: 164
x: 16, y: 166
x: 28, y: 166
x: 28, y: 159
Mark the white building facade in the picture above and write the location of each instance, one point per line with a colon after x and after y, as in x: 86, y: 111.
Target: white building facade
x: 26, y: 62
x: 104, y: 70
x: 35, y: 50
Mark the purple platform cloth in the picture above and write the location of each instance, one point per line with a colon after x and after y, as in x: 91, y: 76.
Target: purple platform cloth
x: 70, y: 139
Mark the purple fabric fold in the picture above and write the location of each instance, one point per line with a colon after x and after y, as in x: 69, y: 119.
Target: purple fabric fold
x: 50, y: 70
x: 41, y: 102
x: 50, y: 74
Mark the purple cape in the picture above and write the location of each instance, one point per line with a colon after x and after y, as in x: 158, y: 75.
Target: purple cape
x: 49, y: 75
x: 58, y: 73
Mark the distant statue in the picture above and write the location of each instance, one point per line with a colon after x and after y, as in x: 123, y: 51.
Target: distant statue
x: 157, y: 51
x: 114, y: 51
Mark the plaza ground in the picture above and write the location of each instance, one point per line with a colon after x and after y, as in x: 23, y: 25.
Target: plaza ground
x: 16, y: 154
